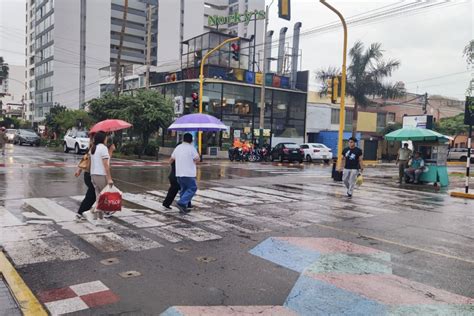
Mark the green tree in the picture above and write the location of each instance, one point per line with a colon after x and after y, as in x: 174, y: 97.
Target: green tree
x: 366, y: 77
x: 50, y: 118
x: 147, y: 110
x: 468, y: 52
x: 452, y: 126
x: 4, y: 70
x: 72, y: 118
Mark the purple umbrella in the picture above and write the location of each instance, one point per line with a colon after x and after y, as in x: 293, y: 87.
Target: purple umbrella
x: 197, y: 122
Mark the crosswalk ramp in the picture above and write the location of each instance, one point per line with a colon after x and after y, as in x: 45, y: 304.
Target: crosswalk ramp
x: 36, y: 230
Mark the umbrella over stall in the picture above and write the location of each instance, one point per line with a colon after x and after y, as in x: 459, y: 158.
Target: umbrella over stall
x: 416, y: 134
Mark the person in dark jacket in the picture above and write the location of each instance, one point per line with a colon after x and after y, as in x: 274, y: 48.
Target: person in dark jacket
x: 174, y: 187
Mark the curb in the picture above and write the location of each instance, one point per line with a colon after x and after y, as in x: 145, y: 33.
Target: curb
x: 27, y: 301
x: 462, y: 195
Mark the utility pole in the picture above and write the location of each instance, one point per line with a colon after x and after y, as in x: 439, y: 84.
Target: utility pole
x: 261, y: 122
x: 119, y: 53
x: 425, y: 103
x: 148, y: 47
x: 338, y: 176
x: 82, y: 55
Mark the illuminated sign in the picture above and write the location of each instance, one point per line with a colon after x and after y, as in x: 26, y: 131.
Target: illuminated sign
x: 246, y: 17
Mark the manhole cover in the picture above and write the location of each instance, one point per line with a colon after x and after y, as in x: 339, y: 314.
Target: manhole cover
x: 110, y: 261
x: 182, y: 249
x: 129, y: 274
x: 205, y: 259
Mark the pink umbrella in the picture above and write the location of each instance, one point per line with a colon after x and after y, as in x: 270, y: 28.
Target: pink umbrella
x: 109, y: 126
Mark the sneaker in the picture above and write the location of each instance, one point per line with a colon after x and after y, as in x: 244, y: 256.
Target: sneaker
x: 190, y: 206
x: 349, y: 195
x: 108, y: 214
x: 182, y: 209
x: 80, y: 218
x: 166, y: 206
x: 88, y: 216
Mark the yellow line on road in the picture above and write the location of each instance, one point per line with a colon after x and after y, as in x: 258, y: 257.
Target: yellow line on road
x: 396, y: 243
x: 29, y: 304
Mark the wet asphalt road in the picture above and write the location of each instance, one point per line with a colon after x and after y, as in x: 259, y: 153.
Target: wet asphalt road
x: 204, y: 259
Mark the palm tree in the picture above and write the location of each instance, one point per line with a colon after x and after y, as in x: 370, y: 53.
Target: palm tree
x: 365, y: 77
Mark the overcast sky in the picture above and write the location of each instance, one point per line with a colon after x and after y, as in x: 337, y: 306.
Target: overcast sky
x: 429, y: 44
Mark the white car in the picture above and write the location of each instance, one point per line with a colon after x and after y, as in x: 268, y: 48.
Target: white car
x: 316, y: 151
x: 459, y: 154
x: 77, y: 140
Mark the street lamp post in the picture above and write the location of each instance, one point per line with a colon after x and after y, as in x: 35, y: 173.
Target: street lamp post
x: 343, y: 86
x: 201, y: 82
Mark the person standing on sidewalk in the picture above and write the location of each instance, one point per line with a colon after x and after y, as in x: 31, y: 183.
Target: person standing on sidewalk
x: 186, y: 157
x: 404, y: 155
x: 353, y: 165
x: 100, y: 165
x: 3, y: 139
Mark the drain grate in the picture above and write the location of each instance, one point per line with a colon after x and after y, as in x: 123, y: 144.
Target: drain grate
x: 182, y: 249
x: 109, y: 261
x: 205, y: 259
x: 129, y: 274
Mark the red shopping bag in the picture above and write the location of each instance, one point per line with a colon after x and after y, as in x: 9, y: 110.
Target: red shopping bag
x: 110, y: 200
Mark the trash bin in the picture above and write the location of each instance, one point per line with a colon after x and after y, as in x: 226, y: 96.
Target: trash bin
x: 336, y: 175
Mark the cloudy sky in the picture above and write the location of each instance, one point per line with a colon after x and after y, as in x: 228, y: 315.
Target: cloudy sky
x: 429, y: 43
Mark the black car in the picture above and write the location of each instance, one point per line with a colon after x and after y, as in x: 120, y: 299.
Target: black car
x: 287, y: 151
x: 23, y: 136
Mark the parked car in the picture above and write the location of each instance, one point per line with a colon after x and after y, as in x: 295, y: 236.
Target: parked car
x: 316, y: 151
x: 459, y: 154
x: 77, y: 140
x: 287, y: 151
x: 10, y: 134
x: 24, y: 136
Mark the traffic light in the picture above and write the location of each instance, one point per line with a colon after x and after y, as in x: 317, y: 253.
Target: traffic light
x: 235, y: 47
x: 195, y: 99
x: 335, y: 89
x: 329, y: 87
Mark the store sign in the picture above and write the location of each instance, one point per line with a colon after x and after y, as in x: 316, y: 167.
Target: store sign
x: 420, y: 121
x: 469, y: 111
x: 236, y: 18
x: 178, y: 105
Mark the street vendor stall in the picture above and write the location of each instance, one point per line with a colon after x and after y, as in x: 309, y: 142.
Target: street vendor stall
x: 433, y: 147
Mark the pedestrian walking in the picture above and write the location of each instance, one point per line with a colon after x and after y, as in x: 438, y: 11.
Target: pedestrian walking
x: 403, y: 156
x: 186, y: 157
x: 100, y: 166
x: 353, y: 165
x: 174, y: 187
x: 3, y: 139
x: 85, y: 166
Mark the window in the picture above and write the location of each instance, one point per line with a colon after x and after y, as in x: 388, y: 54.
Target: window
x: 381, y: 120
x: 390, y: 117
x: 334, y: 116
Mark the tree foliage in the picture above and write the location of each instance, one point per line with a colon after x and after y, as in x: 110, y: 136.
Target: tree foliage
x: 147, y: 110
x: 50, y: 118
x: 468, y: 52
x: 60, y: 119
x: 366, y: 76
x: 452, y: 126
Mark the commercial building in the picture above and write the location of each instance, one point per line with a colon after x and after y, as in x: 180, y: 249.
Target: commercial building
x: 12, y: 91
x: 53, y: 53
x: 181, y: 19
x: 232, y: 93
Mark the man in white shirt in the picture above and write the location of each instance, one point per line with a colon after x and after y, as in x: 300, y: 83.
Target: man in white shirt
x: 185, y: 156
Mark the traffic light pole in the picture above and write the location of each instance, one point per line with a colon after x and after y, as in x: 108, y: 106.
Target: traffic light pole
x: 343, y: 86
x: 201, y: 82
x: 261, y: 122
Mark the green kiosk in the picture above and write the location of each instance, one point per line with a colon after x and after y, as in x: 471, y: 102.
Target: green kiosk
x: 433, y: 147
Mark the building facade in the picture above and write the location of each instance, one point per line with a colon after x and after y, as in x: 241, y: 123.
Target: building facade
x: 53, y: 37
x: 181, y: 19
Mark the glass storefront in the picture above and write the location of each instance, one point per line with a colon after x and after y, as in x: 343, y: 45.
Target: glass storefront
x: 238, y: 106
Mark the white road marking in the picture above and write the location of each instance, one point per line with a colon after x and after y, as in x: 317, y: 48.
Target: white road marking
x: 8, y: 219
x: 146, y: 200
x: 65, y: 306
x: 31, y: 251
x: 191, y: 232
x: 89, y: 288
x: 249, y: 192
x: 142, y: 221
x: 196, y: 201
x: 119, y: 241
x: 51, y: 209
x: 279, y: 192
x: 164, y: 234
x: 27, y: 232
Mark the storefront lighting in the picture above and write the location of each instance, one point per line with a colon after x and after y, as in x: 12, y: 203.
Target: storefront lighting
x: 281, y: 106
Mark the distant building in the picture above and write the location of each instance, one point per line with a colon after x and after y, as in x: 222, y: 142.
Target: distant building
x: 53, y: 48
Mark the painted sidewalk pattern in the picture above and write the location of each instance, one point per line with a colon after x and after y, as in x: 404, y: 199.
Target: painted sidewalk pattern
x: 38, y: 230
x: 341, y: 278
x: 77, y: 297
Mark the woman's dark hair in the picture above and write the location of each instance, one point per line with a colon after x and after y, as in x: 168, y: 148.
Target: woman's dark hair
x: 99, y: 138
x: 188, y: 138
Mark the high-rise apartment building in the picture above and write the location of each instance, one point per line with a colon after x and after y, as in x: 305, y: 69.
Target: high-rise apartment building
x: 53, y: 38
x: 179, y: 20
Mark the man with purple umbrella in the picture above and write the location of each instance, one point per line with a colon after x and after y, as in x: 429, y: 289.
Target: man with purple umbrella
x: 185, y: 157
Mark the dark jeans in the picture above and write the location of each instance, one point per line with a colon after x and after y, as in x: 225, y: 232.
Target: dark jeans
x: 172, y: 191
x: 89, y: 199
x: 188, y: 189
